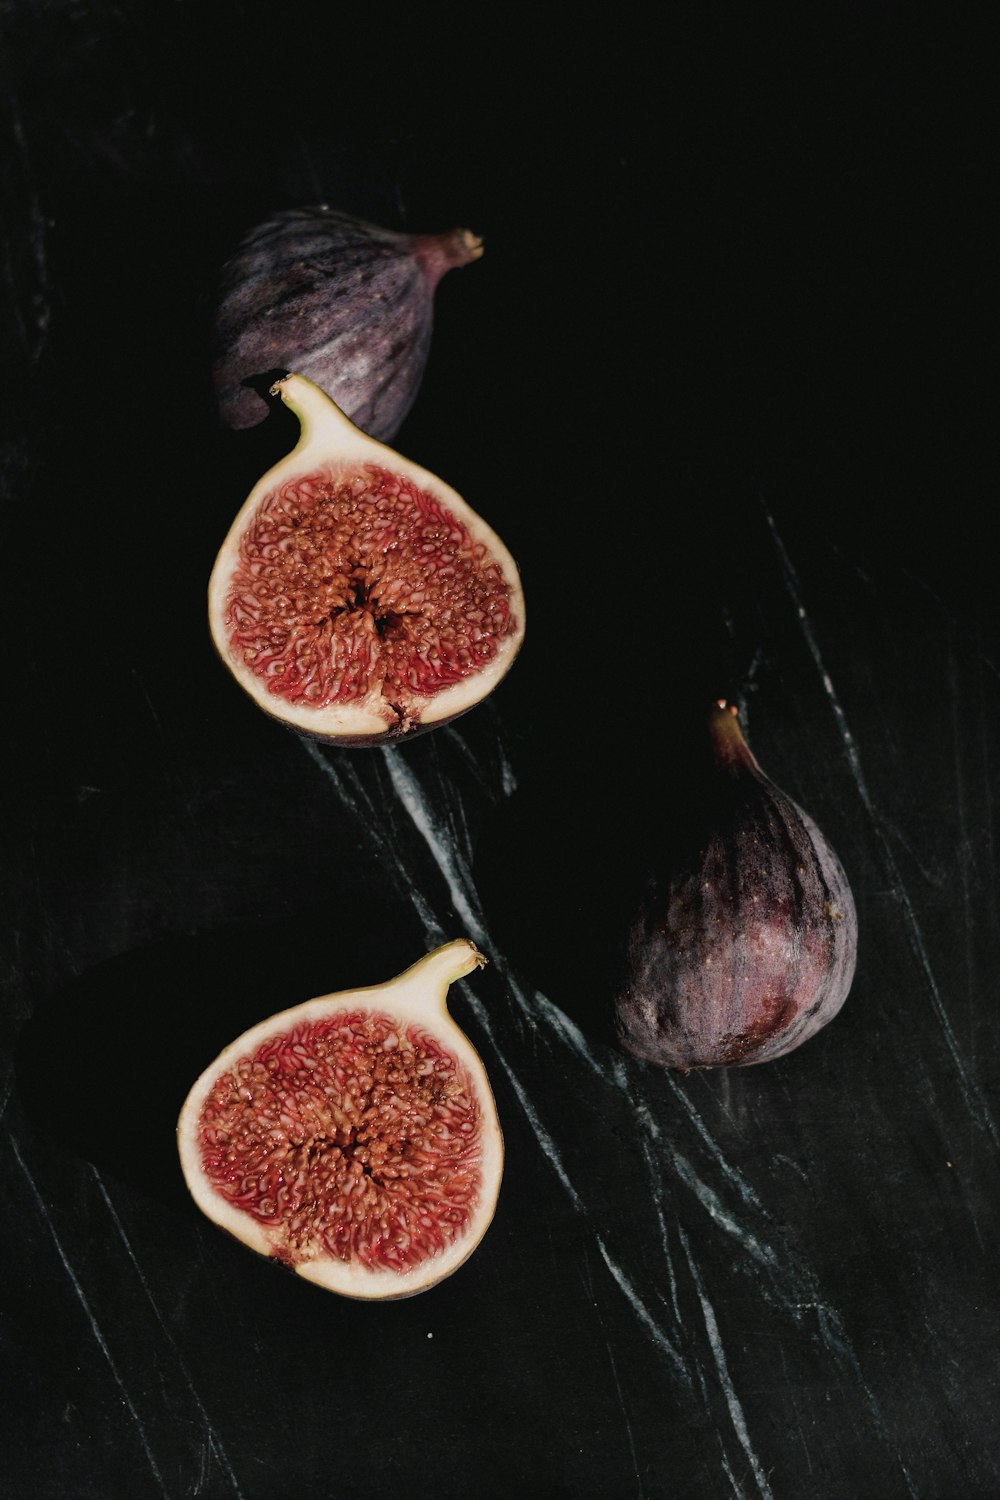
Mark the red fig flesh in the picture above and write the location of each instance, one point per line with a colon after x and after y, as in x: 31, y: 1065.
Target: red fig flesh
x: 746, y: 949
x: 357, y: 597
x: 354, y: 1138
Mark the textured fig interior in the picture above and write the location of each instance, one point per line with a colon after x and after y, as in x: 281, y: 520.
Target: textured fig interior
x: 353, y: 580
x: 352, y: 1137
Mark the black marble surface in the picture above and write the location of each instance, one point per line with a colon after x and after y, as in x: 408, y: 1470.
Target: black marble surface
x: 720, y: 382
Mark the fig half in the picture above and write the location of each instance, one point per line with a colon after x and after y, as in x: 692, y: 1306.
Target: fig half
x: 745, y: 946
x: 353, y: 1138
x: 358, y: 597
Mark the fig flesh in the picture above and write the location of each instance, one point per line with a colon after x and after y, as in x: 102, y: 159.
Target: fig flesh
x: 353, y: 1138
x: 745, y: 948
x: 345, y: 303
x: 357, y: 597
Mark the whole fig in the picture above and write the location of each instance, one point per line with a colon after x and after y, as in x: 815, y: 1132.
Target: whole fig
x: 345, y: 303
x: 745, y: 945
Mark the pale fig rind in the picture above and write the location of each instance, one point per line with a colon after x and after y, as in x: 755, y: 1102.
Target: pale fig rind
x: 745, y: 951
x: 329, y: 442
x: 418, y: 996
x: 345, y: 303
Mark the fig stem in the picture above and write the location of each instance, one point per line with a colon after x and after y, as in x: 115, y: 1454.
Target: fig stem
x: 442, y: 966
x: 728, y: 744
x: 438, y: 253
x: 318, y: 415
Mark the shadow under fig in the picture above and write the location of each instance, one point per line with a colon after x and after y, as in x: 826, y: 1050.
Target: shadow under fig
x: 105, y: 1064
x: 564, y: 864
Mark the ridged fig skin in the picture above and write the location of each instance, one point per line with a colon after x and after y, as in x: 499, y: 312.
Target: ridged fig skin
x: 747, y: 949
x: 343, y: 302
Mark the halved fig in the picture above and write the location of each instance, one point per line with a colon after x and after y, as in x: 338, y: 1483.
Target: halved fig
x: 357, y: 597
x: 353, y: 1138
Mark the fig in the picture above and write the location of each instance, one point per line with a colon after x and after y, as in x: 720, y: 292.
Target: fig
x: 353, y: 1138
x: 745, y: 944
x: 345, y: 303
x: 357, y: 597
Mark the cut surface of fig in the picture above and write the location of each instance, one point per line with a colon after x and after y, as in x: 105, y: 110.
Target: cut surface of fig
x: 354, y: 1138
x: 357, y: 596
x: 352, y: 578
x: 746, y: 946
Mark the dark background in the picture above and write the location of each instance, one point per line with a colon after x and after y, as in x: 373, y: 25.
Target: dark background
x: 719, y: 381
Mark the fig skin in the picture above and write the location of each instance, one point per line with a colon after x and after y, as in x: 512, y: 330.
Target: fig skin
x: 346, y: 303
x: 747, y: 948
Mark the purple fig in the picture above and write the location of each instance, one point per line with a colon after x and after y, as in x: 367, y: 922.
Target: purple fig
x: 345, y: 303
x: 746, y: 948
